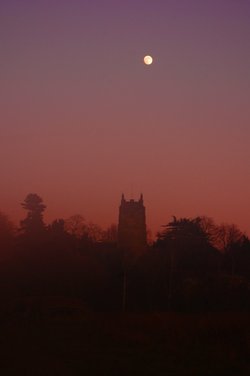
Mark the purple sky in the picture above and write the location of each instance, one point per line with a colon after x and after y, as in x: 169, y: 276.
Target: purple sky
x: 83, y: 119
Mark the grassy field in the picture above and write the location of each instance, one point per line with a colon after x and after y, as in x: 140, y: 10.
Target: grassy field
x: 58, y: 336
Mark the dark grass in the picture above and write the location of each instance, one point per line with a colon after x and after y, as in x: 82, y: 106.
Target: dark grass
x: 57, y: 336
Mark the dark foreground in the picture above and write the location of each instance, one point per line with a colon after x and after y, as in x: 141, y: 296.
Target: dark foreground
x: 57, y: 336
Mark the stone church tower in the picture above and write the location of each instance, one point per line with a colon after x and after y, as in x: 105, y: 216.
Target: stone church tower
x: 132, y: 235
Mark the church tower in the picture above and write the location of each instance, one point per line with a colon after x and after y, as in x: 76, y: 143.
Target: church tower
x: 132, y: 235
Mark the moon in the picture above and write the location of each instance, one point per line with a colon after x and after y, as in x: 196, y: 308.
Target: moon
x: 148, y: 60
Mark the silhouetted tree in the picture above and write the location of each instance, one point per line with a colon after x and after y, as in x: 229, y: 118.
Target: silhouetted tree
x: 242, y: 257
x: 94, y: 232
x: 57, y: 227
x: 189, y: 248
x: 210, y: 228
x: 229, y: 240
x: 110, y: 234
x: 76, y: 226
x: 6, y: 234
x: 227, y: 235
x: 58, y: 234
x: 33, y: 223
x: 189, y: 240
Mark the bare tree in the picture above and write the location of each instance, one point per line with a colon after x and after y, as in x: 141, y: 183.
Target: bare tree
x: 94, y: 232
x: 209, y: 228
x: 228, y: 239
x: 76, y: 226
x: 227, y: 235
x: 110, y: 234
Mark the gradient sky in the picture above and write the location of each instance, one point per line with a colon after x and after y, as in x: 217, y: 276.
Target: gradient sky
x: 83, y: 119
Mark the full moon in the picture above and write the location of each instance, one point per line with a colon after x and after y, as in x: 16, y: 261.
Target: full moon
x: 148, y: 60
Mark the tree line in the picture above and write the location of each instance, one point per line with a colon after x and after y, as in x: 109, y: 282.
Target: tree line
x: 193, y: 264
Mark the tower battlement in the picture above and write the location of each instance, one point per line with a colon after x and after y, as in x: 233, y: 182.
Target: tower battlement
x: 132, y: 235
